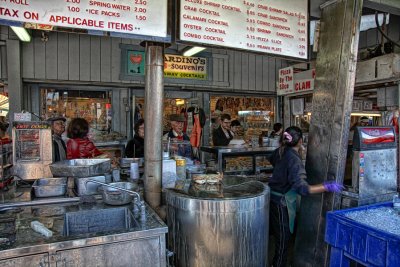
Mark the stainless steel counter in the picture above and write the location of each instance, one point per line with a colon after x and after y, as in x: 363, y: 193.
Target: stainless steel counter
x: 138, y: 244
x: 222, y: 152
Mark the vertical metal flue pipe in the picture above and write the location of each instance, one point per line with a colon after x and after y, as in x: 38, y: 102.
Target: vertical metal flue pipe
x: 154, y: 96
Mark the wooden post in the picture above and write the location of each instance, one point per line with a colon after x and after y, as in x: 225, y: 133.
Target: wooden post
x: 330, y: 122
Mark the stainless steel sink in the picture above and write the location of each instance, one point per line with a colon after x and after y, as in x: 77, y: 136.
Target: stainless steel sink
x: 98, y: 221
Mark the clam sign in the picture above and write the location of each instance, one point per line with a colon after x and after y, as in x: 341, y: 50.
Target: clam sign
x: 139, y: 17
x: 290, y: 82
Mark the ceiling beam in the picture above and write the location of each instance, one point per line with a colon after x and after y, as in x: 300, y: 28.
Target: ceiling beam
x: 389, y: 6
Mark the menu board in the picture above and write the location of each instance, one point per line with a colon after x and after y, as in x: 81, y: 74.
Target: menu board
x: 139, y: 17
x: 270, y: 26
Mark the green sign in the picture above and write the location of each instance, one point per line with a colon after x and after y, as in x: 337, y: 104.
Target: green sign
x: 175, y: 66
x: 136, y: 62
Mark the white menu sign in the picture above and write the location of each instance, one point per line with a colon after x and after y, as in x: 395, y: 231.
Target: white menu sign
x: 141, y: 17
x: 270, y: 26
x: 286, y: 81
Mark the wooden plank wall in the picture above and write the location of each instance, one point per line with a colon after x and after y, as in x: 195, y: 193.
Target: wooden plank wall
x: 97, y: 60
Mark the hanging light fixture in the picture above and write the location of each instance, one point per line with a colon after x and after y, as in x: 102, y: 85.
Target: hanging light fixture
x: 193, y: 50
x: 22, y: 33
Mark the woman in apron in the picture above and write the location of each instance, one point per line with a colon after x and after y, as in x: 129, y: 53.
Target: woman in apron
x: 288, y: 180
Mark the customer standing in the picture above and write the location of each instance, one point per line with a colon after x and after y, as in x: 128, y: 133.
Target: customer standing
x: 57, y: 129
x: 135, y: 147
x: 223, y: 134
x: 79, y: 146
x: 288, y: 180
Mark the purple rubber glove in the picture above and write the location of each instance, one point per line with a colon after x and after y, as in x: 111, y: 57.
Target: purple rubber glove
x: 332, y: 186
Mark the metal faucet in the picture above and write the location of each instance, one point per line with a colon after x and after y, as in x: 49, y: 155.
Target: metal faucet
x: 138, y: 205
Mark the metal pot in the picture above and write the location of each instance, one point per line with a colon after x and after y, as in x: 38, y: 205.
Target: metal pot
x: 126, y: 162
x: 113, y: 196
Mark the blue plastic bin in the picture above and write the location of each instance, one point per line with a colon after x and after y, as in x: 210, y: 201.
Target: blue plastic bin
x: 351, y: 240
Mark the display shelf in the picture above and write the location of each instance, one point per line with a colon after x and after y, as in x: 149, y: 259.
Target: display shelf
x: 256, y: 121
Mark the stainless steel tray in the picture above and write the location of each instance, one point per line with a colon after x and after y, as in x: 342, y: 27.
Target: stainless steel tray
x: 80, y: 167
x: 50, y: 187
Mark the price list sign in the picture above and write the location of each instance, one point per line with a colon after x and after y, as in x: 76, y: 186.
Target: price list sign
x: 277, y: 27
x: 139, y: 17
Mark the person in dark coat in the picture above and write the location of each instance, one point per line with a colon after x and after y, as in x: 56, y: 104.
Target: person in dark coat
x: 135, y: 147
x: 57, y: 129
x: 223, y: 134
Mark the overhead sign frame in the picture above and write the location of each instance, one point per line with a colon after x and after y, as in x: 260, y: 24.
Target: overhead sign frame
x: 138, y: 19
x: 252, y: 30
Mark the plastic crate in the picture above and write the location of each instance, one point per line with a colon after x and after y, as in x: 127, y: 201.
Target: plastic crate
x: 351, y: 240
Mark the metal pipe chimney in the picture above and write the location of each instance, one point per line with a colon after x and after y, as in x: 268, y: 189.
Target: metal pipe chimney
x: 154, y: 96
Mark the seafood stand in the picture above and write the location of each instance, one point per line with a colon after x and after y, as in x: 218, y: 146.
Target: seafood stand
x: 374, y: 167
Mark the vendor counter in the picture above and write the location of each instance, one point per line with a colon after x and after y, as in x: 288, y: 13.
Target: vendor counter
x: 84, y: 234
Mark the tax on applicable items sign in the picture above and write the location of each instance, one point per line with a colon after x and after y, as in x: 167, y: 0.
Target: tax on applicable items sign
x: 270, y: 26
x: 139, y: 17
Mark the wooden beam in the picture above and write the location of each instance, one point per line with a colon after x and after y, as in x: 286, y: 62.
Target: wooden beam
x: 389, y: 6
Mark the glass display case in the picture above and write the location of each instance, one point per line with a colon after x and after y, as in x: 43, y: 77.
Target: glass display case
x: 246, y: 164
x: 254, y: 113
x: 241, y: 160
x: 256, y: 121
x: 32, y: 149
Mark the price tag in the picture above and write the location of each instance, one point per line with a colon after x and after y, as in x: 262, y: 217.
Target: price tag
x: 22, y: 117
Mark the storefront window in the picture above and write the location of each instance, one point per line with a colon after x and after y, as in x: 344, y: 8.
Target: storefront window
x: 255, y: 114
x: 171, y: 106
x: 93, y: 106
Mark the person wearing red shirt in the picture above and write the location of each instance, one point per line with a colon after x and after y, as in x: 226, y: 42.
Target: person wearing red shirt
x: 79, y: 146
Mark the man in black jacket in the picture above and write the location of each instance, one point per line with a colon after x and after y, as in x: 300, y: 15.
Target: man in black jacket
x: 223, y: 134
x: 57, y: 129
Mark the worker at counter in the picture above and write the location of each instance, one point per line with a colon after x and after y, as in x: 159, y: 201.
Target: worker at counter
x: 289, y: 179
x: 235, y: 127
x: 223, y: 134
x: 135, y: 147
x: 57, y: 129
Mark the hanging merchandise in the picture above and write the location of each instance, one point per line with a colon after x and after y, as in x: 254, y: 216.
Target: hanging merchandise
x: 189, y: 122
